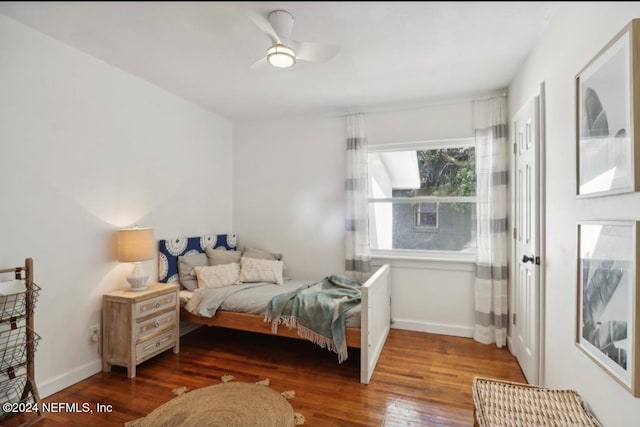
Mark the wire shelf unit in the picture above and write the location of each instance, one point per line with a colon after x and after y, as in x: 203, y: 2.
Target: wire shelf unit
x: 19, y: 398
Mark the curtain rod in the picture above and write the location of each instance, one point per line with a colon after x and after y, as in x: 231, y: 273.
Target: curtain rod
x: 433, y: 103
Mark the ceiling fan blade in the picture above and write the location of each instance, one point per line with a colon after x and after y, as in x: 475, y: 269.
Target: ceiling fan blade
x: 261, y: 63
x: 316, y: 52
x: 264, y: 25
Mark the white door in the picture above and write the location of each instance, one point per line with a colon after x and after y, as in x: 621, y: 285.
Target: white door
x: 526, y: 317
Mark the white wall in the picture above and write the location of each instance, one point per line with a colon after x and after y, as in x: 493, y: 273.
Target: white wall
x: 288, y: 197
x: 288, y: 191
x: 428, y: 296
x: 574, y: 36
x: 85, y: 149
x: 443, y: 120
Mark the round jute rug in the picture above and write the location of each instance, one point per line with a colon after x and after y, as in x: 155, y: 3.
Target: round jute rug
x: 232, y: 404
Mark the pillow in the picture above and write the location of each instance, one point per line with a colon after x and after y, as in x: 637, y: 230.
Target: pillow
x: 217, y: 276
x: 222, y: 256
x: 261, y: 270
x: 185, y: 267
x: 260, y: 254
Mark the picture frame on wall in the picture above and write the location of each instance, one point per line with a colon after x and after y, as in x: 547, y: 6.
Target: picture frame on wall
x: 607, y: 308
x: 607, y: 115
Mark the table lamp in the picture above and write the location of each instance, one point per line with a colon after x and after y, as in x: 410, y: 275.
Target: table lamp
x: 136, y: 245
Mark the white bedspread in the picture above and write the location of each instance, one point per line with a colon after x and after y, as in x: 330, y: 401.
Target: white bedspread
x: 254, y: 300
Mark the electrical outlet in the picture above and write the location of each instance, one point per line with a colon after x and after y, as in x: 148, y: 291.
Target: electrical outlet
x: 94, y: 333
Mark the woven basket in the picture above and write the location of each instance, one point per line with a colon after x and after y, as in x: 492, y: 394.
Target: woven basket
x: 508, y: 404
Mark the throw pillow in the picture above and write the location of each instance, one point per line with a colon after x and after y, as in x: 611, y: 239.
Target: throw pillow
x: 261, y: 270
x: 186, y: 263
x: 222, y: 256
x: 217, y: 276
x: 260, y: 254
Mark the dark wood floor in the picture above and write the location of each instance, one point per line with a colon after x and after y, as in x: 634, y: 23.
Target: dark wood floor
x: 421, y: 379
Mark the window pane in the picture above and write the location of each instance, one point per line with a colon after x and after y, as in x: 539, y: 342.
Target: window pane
x: 426, y: 216
x: 423, y: 226
x: 445, y: 172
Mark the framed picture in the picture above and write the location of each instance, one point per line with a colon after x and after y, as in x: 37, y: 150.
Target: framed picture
x: 607, y: 312
x: 607, y: 111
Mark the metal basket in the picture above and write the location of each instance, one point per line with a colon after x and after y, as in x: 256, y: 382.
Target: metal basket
x: 15, y: 346
x: 14, y: 306
x: 17, y: 394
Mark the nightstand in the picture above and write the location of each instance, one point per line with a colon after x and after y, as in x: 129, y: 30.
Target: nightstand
x: 138, y: 325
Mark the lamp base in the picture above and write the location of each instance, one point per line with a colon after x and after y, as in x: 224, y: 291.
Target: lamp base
x: 138, y: 278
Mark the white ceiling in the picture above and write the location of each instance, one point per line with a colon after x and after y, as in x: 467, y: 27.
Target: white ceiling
x: 392, y: 53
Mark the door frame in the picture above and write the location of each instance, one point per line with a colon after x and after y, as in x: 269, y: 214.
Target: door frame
x: 511, y: 342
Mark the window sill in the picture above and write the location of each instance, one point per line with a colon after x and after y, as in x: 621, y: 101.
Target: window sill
x: 425, y: 260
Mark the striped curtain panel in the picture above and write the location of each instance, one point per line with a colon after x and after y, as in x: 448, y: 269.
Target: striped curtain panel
x: 492, y: 270
x: 357, y: 251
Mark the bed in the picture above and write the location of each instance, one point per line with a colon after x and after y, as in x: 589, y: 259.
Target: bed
x: 373, y: 312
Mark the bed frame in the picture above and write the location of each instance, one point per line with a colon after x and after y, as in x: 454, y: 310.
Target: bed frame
x: 369, y: 337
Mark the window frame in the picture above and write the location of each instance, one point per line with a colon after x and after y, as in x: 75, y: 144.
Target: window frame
x: 425, y: 228
x: 467, y: 256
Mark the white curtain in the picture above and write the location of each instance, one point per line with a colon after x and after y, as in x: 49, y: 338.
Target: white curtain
x: 357, y: 251
x: 492, y: 271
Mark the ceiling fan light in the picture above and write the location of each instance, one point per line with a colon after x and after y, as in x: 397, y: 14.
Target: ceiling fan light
x: 281, y: 56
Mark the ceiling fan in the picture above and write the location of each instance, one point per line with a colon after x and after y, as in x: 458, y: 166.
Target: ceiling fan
x: 284, y: 52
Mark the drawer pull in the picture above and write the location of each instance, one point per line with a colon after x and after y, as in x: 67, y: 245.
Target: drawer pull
x: 157, y: 305
x: 156, y: 325
x: 157, y: 344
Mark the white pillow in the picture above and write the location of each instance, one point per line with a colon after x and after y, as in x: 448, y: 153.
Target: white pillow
x: 217, y: 276
x: 261, y: 270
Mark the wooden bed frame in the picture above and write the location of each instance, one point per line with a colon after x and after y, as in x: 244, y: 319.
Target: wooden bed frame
x: 369, y: 337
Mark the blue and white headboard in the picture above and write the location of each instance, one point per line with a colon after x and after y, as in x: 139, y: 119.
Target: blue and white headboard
x: 171, y: 249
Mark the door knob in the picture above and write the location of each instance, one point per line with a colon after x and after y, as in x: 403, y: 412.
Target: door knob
x: 530, y: 259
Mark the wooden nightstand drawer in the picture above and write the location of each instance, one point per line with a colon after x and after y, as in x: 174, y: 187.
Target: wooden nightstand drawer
x: 155, y: 325
x: 154, y: 305
x: 155, y: 345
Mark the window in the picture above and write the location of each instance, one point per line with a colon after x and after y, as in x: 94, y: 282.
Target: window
x: 422, y: 197
x: 426, y: 218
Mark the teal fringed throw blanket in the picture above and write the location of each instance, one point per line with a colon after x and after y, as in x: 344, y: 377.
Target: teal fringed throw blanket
x: 318, y: 311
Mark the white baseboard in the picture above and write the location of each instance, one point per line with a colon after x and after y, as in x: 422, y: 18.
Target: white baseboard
x: 83, y: 372
x: 65, y: 380
x: 433, y: 328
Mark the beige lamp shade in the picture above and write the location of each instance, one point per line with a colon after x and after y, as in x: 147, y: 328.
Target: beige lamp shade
x: 135, y: 244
